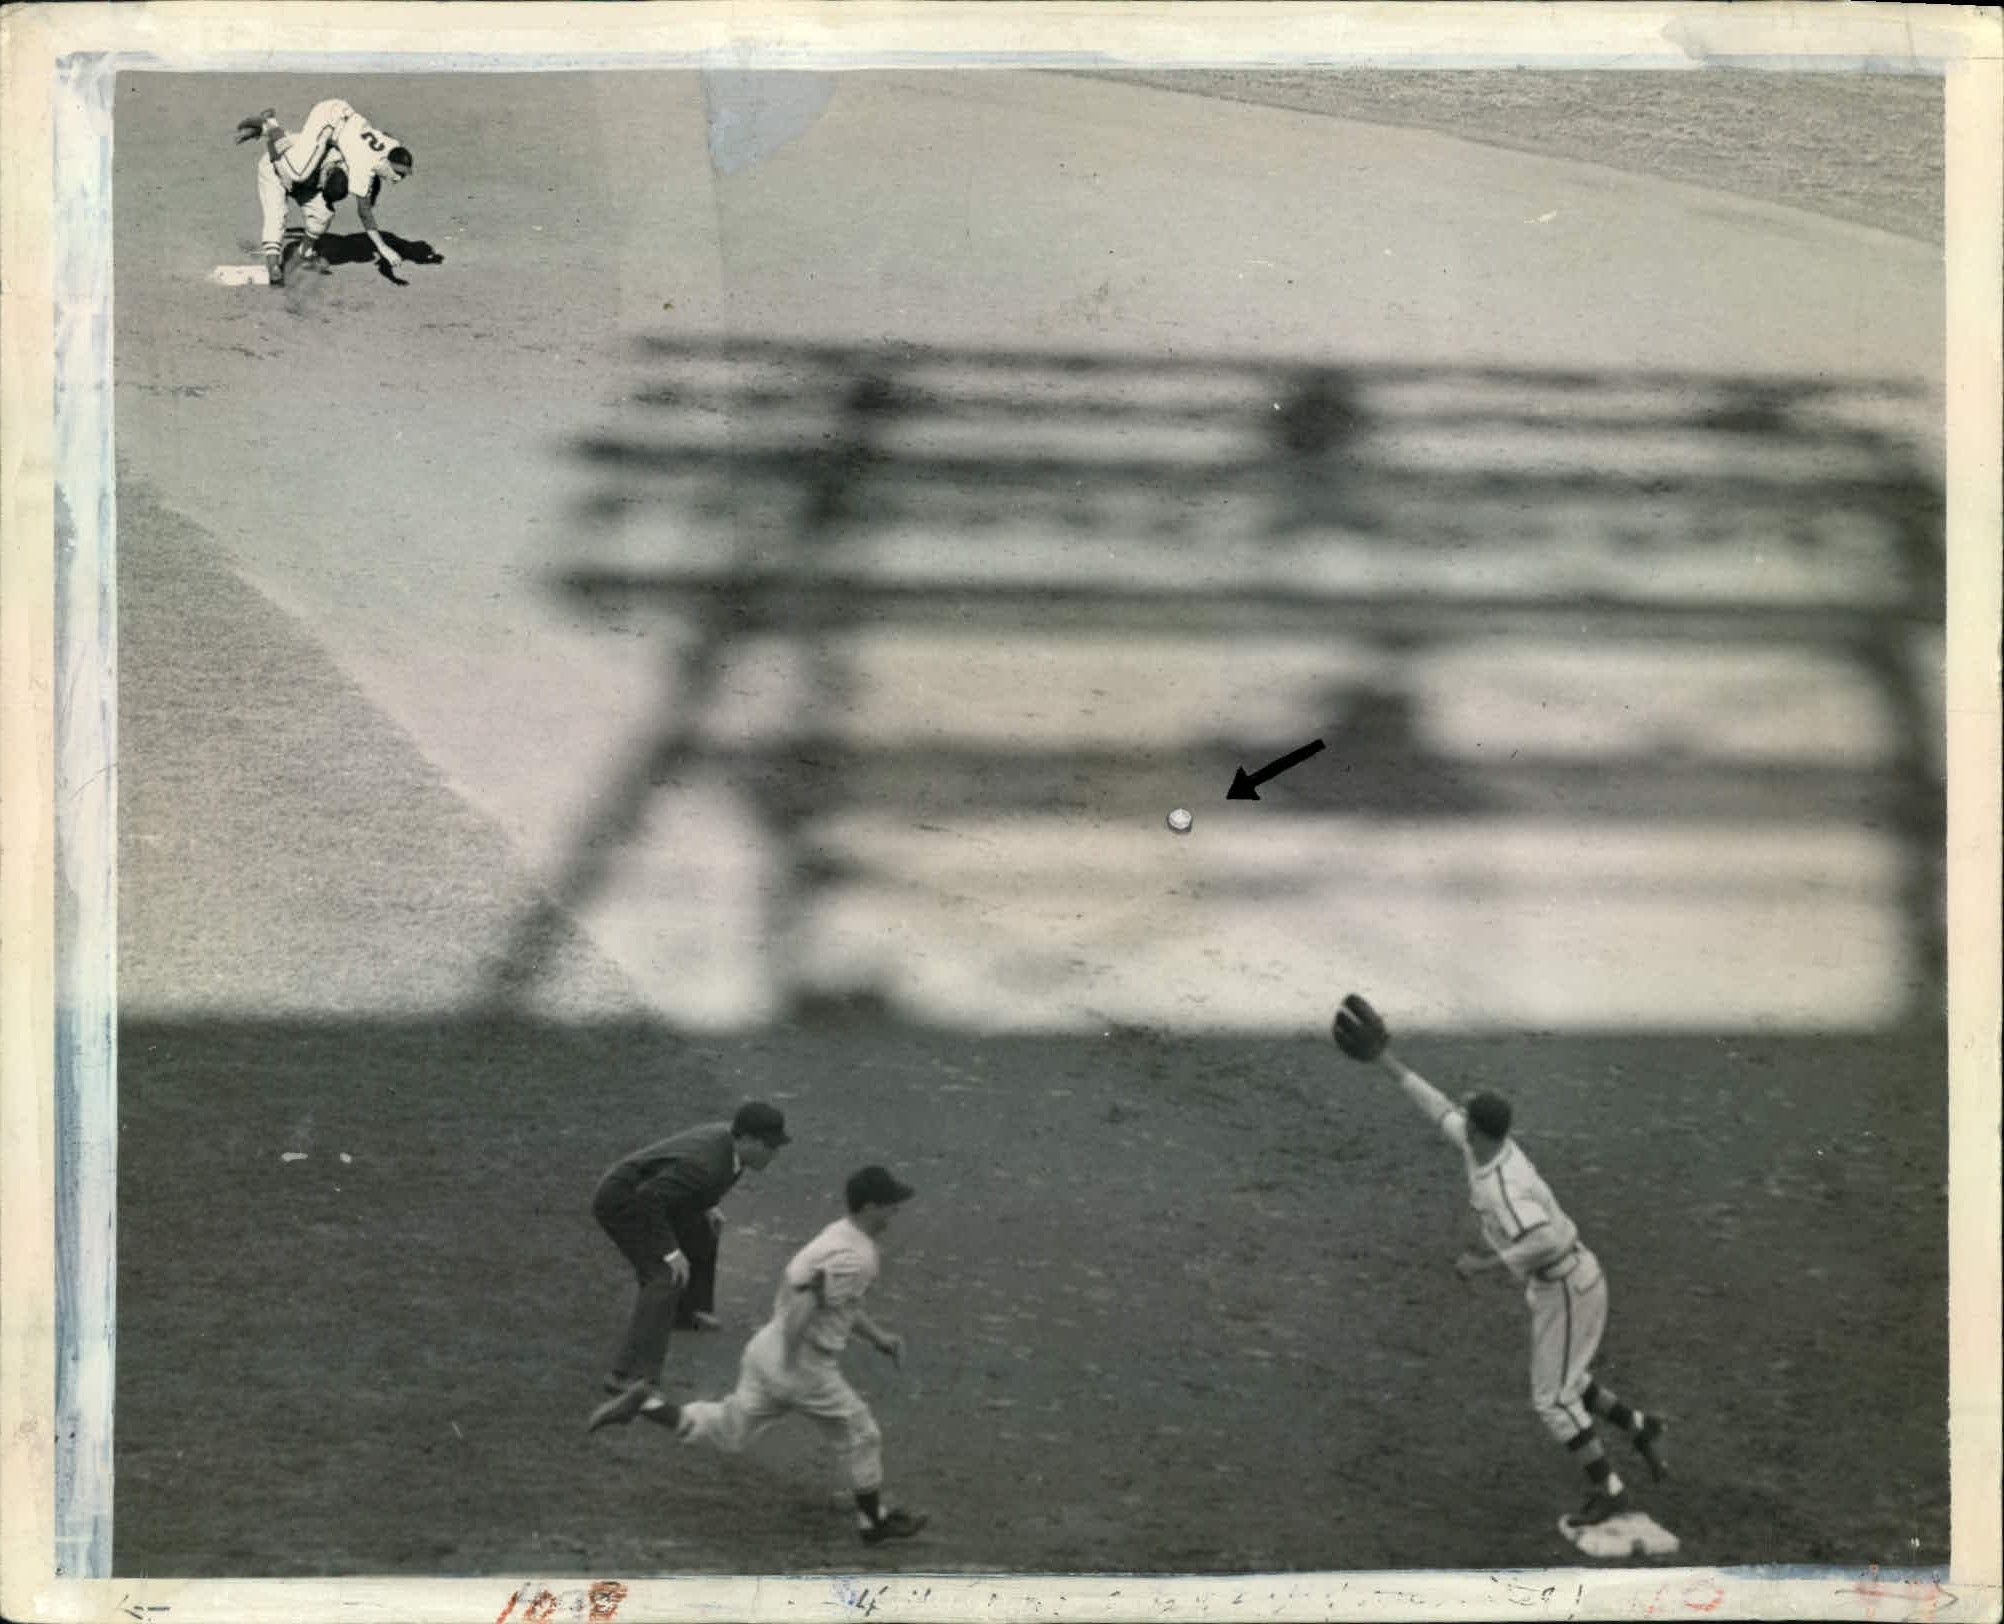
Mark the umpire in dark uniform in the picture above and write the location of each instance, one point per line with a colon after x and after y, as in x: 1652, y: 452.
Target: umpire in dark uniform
x: 658, y: 1205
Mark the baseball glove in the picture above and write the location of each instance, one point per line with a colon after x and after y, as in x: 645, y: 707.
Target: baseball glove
x: 249, y: 129
x: 1359, y: 1030
x: 334, y: 183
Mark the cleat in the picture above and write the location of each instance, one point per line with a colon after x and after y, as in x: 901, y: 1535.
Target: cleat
x: 274, y: 269
x: 310, y: 259
x: 892, y: 1525
x: 617, y: 1411
x: 1600, y: 1507
x: 663, y: 1414
x: 1649, y: 1445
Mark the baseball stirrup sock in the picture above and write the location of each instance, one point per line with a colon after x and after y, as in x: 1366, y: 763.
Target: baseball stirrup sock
x: 1603, y: 1403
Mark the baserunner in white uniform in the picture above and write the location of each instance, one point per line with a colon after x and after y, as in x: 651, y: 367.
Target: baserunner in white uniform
x: 336, y: 153
x: 1530, y: 1236
x: 792, y: 1364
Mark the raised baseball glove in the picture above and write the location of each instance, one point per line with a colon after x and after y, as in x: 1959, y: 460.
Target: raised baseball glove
x: 249, y: 129
x: 1359, y: 1030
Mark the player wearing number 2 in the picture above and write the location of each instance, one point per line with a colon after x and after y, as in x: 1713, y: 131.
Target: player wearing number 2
x: 335, y: 154
x: 1530, y: 1236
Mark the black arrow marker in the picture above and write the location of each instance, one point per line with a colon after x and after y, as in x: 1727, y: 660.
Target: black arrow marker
x: 1245, y: 786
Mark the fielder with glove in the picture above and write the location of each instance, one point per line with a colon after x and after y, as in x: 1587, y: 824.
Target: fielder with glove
x: 1531, y: 1237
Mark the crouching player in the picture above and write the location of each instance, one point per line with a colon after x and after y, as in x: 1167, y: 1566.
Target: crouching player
x: 335, y: 154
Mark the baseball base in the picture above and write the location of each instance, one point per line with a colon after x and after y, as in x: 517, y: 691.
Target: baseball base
x: 1632, y: 1534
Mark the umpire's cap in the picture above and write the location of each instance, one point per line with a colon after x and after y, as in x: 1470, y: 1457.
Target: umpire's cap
x: 757, y: 1120
x: 1490, y: 1113
x: 874, y: 1186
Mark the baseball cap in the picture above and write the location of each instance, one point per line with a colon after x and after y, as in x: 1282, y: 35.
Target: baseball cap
x: 1490, y: 1113
x: 874, y: 1186
x: 757, y: 1120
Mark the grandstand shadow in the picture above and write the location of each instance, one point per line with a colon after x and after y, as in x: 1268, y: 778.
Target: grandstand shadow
x: 823, y: 493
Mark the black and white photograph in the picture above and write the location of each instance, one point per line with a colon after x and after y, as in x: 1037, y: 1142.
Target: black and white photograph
x: 833, y: 801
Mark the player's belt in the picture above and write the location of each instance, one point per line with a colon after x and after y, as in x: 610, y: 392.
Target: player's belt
x: 1559, y: 1267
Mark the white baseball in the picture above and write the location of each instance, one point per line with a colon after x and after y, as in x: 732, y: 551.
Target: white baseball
x: 1180, y: 821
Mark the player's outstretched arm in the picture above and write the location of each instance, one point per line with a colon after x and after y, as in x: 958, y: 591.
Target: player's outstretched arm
x: 368, y: 212
x: 1360, y: 1032
x: 1434, y: 1105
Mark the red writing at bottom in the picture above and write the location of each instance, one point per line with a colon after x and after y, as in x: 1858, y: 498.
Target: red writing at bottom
x: 598, y: 1603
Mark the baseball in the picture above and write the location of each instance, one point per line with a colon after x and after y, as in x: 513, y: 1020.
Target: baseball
x: 1180, y: 821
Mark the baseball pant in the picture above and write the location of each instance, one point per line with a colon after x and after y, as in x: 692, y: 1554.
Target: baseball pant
x: 645, y: 1233
x: 699, y: 1296
x: 768, y: 1388
x: 1567, y: 1319
x: 273, y: 194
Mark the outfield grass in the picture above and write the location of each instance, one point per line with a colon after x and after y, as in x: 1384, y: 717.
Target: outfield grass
x: 1860, y: 147
x: 1172, y: 1306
